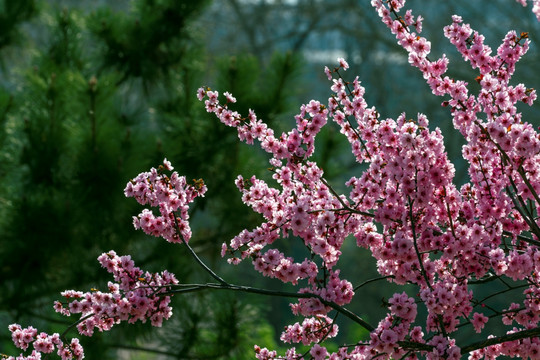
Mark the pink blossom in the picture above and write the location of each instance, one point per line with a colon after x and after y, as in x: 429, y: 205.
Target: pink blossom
x: 318, y: 352
x: 479, y: 321
x: 343, y: 63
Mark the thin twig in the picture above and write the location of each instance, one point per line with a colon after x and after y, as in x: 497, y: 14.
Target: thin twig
x: 197, y: 259
x: 421, y: 264
x: 335, y: 193
x: 372, y: 280
x: 501, y: 292
x: 63, y: 335
x: 345, y: 206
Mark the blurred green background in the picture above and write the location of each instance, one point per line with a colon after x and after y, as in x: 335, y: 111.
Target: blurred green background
x: 94, y: 92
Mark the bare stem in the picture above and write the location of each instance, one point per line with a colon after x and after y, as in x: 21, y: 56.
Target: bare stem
x: 530, y: 333
x: 196, y: 257
x: 421, y: 264
x: 372, y: 280
x: 523, y: 238
x: 185, y: 288
x: 345, y: 206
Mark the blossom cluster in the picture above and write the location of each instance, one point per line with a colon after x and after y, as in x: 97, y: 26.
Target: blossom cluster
x: 134, y: 296
x: 310, y: 330
x: 43, y: 343
x: 405, y: 208
x: 528, y: 348
x: 305, y: 207
x: 395, y: 327
x: 410, y: 193
x: 172, y: 195
x: 502, y: 151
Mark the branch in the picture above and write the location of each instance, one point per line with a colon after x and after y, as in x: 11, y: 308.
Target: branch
x: 418, y: 255
x: 194, y: 255
x: 523, y: 175
x: 345, y: 206
x: 415, y: 346
x: 334, y: 193
x: 372, y: 280
x: 249, y: 289
x: 523, y: 238
x: 63, y: 335
x: 488, y: 278
x: 530, y: 333
x: 502, y: 291
x: 529, y: 218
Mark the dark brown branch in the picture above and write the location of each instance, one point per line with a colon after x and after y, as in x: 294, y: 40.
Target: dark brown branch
x: 413, y: 229
x: 248, y: 289
x: 196, y: 257
x: 523, y: 238
x: 524, y: 334
x: 345, y: 206
x: 372, y: 280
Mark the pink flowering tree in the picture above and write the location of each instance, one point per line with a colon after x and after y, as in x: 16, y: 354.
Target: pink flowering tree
x: 404, y: 209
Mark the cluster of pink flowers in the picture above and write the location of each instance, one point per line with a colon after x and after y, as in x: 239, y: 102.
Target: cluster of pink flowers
x: 528, y: 348
x: 395, y: 327
x: 304, y: 207
x: 430, y: 233
x: 134, y: 296
x: 311, y: 330
x: 171, y: 194
x: 43, y: 343
x: 503, y: 150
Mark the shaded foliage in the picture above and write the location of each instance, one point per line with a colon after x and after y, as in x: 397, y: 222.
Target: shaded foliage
x: 12, y: 14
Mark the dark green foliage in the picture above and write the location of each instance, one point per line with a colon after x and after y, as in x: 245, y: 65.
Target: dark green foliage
x: 275, y: 87
x: 12, y: 14
x: 232, y: 325
x: 150, y: 42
